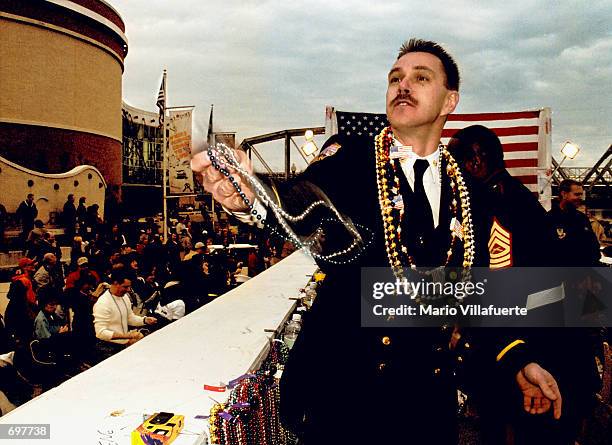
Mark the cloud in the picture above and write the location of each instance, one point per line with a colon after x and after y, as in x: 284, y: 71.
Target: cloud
x: 272, y: 65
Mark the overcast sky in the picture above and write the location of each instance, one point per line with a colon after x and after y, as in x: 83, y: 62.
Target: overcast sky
x: 274, y: 65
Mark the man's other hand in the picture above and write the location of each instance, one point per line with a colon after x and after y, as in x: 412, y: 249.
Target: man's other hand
x: 540, y: 390
x: 219, y: 186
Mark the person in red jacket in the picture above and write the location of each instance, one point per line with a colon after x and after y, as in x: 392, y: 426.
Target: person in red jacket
x: 22, y: 307
x: 82, y: 271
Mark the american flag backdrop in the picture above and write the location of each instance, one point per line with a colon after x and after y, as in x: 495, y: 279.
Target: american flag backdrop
x: 525, y: 138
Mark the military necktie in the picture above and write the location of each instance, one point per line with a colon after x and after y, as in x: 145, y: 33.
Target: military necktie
x: 424, y: 215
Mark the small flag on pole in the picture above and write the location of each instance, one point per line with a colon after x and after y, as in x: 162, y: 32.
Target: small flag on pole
x: 210, y: 134
x: 161, y: 99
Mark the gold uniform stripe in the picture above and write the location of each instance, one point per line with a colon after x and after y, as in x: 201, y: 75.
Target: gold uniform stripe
x: 507, y: 348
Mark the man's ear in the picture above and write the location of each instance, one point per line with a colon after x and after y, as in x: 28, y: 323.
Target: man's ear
x: 451, y: 101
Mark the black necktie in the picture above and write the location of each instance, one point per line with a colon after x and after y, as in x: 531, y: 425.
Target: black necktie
x: 421, y: 202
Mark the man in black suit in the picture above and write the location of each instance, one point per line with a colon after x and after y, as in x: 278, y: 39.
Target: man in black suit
x: 385, y: 385
x: 27, y: 213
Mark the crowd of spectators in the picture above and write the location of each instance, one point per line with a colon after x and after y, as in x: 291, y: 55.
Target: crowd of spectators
x: 120, y: 281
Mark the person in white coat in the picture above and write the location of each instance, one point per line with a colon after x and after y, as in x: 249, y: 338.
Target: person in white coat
x: 113, y: 316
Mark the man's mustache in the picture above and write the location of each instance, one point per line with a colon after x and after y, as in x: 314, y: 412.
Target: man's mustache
x: 405, y: 97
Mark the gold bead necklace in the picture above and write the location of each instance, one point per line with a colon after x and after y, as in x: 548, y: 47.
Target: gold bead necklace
x: 392, y: 214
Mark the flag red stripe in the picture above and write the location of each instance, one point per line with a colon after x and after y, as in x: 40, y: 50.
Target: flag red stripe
x: 510, y: 131
x: 531, y: 179
x: 520, y: 146
x: 472, y: 117
x: 516, y: 131
x: 515, y: 163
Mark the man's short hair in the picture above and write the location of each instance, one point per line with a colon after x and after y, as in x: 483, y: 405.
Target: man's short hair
x: 486, y: 139
x: 425, y: 46
x: 566, y: 185
x: 47, y: 257
x: 30, y: 195
x: 120, y: 274
x: 38, y: 223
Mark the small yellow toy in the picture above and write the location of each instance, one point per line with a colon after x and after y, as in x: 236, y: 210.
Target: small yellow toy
x: 159, y: 429
x: 319, y: 276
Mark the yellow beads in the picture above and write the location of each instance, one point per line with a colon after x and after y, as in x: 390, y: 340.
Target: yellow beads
x: 392, y: 239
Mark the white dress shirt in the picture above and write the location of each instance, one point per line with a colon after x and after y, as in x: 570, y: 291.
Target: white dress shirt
x: 431, y: 178
x: 431, y: 184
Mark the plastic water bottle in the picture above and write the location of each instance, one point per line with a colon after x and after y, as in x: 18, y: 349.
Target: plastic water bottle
x: 292, y: 330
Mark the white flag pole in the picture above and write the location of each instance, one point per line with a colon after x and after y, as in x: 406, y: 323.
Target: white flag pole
x: 165, y: 163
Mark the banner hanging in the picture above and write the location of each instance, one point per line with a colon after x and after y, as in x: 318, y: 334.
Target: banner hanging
x: 179, y: 152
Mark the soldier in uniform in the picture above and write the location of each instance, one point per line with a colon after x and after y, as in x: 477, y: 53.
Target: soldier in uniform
x: 517, y: 220
x: 519, y: 238
x: 575, y: 243
x: 383, y: 385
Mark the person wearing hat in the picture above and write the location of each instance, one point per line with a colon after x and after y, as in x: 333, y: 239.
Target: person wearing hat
x: 21, y: 309
x: 199, y: 248
x: 82, y: 270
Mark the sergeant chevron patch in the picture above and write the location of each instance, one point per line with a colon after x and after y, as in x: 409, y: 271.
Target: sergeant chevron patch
x: 500, y: 246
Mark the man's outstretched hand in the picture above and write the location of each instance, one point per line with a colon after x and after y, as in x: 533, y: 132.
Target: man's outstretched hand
x: 539, y: 389
x: 219, y: 186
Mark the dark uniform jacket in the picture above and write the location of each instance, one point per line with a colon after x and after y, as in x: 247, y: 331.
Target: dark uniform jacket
x: 390, y: 385
x: 516, y: 215
x: 574, y: 243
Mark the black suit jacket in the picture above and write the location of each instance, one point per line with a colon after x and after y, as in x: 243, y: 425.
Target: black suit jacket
x: 341, y: 372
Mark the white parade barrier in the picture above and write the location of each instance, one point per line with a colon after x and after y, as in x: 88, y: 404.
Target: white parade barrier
x: 166, y: 371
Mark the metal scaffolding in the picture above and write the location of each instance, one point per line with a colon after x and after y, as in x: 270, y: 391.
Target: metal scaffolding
x: 248, y: 145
